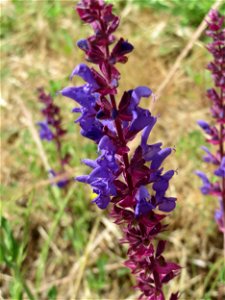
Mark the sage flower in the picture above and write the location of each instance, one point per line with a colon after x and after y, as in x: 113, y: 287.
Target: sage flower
x: 133, y: 187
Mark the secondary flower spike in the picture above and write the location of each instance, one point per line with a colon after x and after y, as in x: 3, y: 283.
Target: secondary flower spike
x: 133, y: 186
x: 216, y: 132
x: 51, y: 130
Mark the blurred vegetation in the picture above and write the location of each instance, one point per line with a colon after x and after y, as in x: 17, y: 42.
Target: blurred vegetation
x: 190, y: 144
x: 13, y: 254
x: 190, y: 12
x: 44, y: 230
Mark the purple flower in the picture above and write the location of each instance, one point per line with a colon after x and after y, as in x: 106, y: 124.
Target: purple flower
x: 219, y: 217
x: 86, y: 74
x: 221, y: 170
x: 101, y: 179
x: 161, y: 184
x: 83, y: 45
x: 86, y: 96
x: 159, y: 157
x: 142, y: 119
x: 149, y: 151
x: 45, y: 132
x: 107, y: 144
x: 119, y: 51
x: 143, y: 198
x: 205, y: 126
x: 167, y: 204
x: 210, y: 158
x: 61, y: 183
x: 130, y: 101
x: 206, y: 188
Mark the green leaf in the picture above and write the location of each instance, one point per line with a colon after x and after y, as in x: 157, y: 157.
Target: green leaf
x: 52, y: 293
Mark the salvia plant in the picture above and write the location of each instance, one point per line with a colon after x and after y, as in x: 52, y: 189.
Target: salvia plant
x: 118, y: 177
x: 51, y: 130
x: 216, y: 132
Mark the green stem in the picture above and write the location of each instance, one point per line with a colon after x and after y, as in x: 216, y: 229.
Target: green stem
x: 23, y: 283
x: 45, y: 249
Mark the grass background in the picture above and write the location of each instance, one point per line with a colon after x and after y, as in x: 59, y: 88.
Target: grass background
x: 56, y: 244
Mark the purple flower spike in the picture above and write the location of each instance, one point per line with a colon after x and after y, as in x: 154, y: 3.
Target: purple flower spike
x: 118, y: 179
x: 51, y: 130
x: 216, y: 132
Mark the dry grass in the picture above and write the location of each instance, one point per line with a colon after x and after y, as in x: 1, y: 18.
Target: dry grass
x: 70, y: 244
